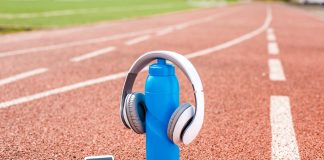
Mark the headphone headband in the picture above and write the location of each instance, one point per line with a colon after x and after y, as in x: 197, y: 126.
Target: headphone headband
x: 186, y: 67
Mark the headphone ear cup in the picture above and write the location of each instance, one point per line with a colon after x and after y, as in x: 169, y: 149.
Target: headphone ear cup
x: 179, y: 121
x: 135, y: 110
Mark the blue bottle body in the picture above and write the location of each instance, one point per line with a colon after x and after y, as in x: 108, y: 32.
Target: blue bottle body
x: 162, y: 99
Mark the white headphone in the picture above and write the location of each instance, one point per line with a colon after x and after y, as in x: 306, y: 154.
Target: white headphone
x: 186, y: 122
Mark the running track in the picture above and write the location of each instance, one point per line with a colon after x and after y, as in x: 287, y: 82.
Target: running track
x: 261, y: 66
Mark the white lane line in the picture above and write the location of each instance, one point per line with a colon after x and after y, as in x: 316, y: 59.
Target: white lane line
x: 284, y: 143
x: 271, y: 37
x: 164, y: 31
x: 270, y: 31
x: 185, y: 25
x: 92, y: 54
x: 273, y: 48
x: 235, y: 41
x: 75, y: 43
x: 53, y: 34
x: 137, y: 40
x: 194, y: 22
x: 107, y: 38
x: 22, y: 76
x: 227, y: 44
x: 62, y: 89
x: 276, y: 70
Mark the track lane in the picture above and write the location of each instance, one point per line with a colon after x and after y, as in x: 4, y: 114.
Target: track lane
x: 119, y: 60
x: 45, y: 58
x: 23, y: 75
x: 92, y: 28
x: 301, y: 53
x: 237, y: 123
x: 93, y: 31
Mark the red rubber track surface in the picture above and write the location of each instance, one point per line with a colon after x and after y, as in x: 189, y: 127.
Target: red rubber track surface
x: 85, y: 121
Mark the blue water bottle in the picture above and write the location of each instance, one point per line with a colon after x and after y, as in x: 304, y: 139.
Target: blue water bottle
x: 162, y: 99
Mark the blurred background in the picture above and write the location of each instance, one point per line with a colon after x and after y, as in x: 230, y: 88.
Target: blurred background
x: 27, y: 15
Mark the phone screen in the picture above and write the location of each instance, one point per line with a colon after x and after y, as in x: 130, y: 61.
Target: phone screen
x: 107, y: 157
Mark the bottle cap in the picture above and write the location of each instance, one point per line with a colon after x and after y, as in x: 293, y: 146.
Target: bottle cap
x: 161, y: 68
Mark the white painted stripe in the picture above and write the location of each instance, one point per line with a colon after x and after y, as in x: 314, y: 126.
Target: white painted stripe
x: 14, y: 38
x: 22, y: 76
x: 92, y: 54
x: 273, y: 48
x: 75, y: 43
x: 276, y: 71
x: 123, y: 74
x: 103, y: 39
x: 137, y: 40
x: 235, y: 41
x: 271, y: 37
x: 194, y: 22
x: 284, y: 143
x: 270, y: 30
x: 62, y: 89
x: 165, y: 31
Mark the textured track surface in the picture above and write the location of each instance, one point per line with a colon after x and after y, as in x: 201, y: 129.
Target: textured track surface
x: 60, y: 114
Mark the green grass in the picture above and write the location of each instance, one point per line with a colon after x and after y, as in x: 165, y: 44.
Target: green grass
x: 24, y: 15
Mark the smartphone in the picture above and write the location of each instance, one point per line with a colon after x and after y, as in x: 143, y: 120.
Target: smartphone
x: 105, y: 157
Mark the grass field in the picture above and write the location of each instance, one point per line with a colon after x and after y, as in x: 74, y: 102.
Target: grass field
x: 23, y: 15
